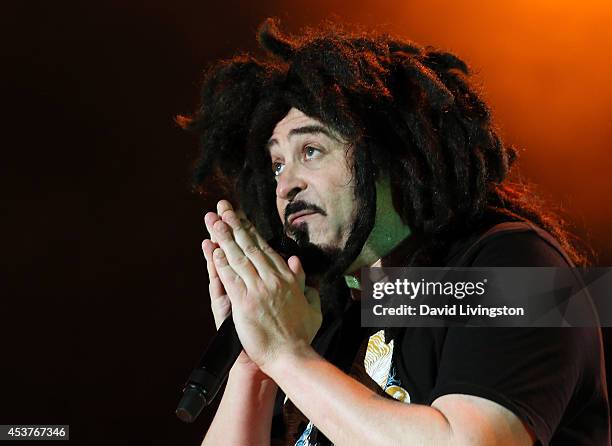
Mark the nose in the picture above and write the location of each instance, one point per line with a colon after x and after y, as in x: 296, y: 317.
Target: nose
x: 290, y: 182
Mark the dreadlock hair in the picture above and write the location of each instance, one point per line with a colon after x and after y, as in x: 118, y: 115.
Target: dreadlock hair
x: 409, y: 112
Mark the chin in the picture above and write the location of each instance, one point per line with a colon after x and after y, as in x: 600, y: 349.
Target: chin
x: 325, y: 242
x: 303, y: 235
x: 319, y: 242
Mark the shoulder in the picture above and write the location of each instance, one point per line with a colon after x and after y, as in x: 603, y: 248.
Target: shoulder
x: 508, y: 244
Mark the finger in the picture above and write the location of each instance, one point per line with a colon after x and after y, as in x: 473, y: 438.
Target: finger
x: 219, y: 300
x: 296, y: 268
x: 207, y: 248
x: 248, y: 244
x: 276, y: 259
x: 236, y: 258
x: 209, y: 220
x: 233, y: 283
x: 222, y: 206
x: 215, y: 286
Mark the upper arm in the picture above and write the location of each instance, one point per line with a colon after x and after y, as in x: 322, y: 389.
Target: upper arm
x: 479, y: 421
x: 496, y: 384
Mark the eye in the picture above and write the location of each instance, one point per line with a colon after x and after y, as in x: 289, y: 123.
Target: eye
x: 311, y: 152
x: 277, y: 168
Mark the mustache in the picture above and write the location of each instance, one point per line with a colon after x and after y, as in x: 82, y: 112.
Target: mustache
x: 297, y: 206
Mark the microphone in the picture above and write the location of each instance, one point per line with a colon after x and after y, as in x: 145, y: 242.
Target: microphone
x: 211, y: 372
x: 207, y: 378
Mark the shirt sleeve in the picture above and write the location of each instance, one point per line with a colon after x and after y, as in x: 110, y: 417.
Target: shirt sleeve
x: 533, y: 372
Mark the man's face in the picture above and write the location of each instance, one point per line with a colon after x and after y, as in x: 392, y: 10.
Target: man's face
x: 315, y: 195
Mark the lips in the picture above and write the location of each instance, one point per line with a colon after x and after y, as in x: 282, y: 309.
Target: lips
x: 298, y: 214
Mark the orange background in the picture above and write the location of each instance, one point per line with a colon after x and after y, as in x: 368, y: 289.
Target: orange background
x: 545, y: 68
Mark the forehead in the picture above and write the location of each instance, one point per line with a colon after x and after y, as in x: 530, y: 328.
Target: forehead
x: 291, y: 120
x: 295, y: 123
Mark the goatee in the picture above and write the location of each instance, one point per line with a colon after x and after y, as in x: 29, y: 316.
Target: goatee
x: 315, y: 260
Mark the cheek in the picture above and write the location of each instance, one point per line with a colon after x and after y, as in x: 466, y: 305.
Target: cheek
x: 342, y: 201
x: 348, y: 207
x: 280, y: 208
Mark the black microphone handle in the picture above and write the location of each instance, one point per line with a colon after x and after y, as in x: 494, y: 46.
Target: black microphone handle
x: 210, y: 374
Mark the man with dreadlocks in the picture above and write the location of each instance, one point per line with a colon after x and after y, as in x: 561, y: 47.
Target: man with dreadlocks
x: 351, y: 150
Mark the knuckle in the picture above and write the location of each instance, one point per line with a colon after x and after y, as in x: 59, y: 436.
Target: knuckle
x: 267, y: 249
x: 238, y: 229
x: 219, y: 256
x: 251, y: 250
x: 231, y: 219
x: 276, y: 282
x: 246, y: 224
x: 289, y: 279
x: 242, y: 260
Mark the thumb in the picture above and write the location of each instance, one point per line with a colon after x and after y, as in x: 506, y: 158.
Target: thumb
x: 296, y: 268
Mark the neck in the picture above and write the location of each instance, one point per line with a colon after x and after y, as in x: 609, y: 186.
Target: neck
x: 389, y: 230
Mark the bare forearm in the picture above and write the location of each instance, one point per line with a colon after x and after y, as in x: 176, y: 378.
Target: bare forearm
x: 244, y: 416
x: 349, y: 413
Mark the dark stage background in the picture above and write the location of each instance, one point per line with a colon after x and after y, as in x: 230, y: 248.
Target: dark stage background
x: 104, y: 303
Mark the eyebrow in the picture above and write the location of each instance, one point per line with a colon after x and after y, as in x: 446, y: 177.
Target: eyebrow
x: 307, y: 129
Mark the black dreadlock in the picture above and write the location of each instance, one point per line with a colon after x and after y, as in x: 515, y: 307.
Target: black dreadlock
x: 409, y: 112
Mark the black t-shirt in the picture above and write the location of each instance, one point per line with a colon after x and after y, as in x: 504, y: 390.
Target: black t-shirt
x: 553, y: 379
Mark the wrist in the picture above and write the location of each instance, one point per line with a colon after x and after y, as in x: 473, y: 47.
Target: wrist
x: 248, y: 373
x: 258, y: 388
x: 287, y: 358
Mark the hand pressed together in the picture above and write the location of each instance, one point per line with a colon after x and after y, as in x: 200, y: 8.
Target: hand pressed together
x: 274, y: 312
